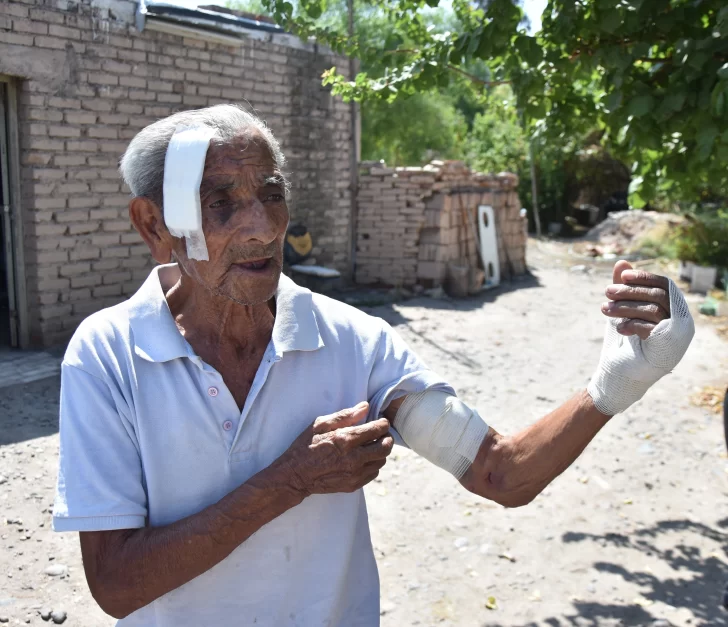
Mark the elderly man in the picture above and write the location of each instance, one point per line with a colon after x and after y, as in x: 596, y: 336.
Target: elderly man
x: 218, y: 427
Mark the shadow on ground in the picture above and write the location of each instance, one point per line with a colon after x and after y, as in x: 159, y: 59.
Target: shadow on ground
x: 699, y: 587
x: 29, y: 411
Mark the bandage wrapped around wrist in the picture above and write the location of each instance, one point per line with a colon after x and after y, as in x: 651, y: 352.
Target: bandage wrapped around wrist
x: 442, y: 429
x: 629, y: 366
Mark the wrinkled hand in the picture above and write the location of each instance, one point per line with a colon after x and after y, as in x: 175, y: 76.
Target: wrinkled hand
x: 335, y: 454
x: 641, y: 299
x: 648, y: 331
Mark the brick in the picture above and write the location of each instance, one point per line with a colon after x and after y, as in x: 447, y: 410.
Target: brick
x: 115, y: 251
x: 64, y: 31
x: 84, y: 252
x: 116, y: 225
x: 105, y: 265
x: 103, y: 214
x: 50, y: 285
x: 83, y: 293
x: 83, y: 202
x: 137, y: 94
x: 103, y: 132
x: 158, y: 111
x: 116, y: 68
x: 97, y: 104
x: 68, y: 160
x: 107, y: 290
x: 82, y: 145
x: 74, y: 269
x: 174, y: 75
x: 71, y: 216
x: 73, y: 188
x: 49, y: 42
x: 80, y: 117
x: 21, y: 25
x: 50, y: 229
x: 64, y: 103
x: 64, y: 131
x: 88, y: 280
x: 131, y: 238
x: 114, y: 147
x: 35, y: 158
x: 127, y: 107
x: 55, y: 311
x: 85, y: 175
x: 173, y: 98
x: 15, y: 10
x: 133, y: 81
x: 45, y: 115
x: 102, y: 78
x: 45, y: 144
x: 105, y: 239
x: 105, y: 187
x: 136, y: 56
x: 50, y: 203
x: 186, y: 64
x: 52, y: 256
x: 115, y: 278
x: 83, y: 228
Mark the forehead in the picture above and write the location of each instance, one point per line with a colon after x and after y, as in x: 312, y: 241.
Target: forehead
x: 247, y: 151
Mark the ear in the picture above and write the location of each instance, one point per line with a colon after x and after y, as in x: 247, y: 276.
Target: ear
x: 146, y: 216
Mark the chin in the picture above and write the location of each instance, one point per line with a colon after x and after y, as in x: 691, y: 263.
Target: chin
x: 255, y: 291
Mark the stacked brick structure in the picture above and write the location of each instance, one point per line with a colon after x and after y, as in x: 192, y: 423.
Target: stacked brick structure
x: 412, y: 222
x: 88, y: 81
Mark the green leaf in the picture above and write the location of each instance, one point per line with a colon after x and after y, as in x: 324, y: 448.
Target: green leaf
x: 723, y: 72
x: 705, y: 138
x: 635, y: 184
x: 610, y: 21
x: 613, y: 101
x: 640, y: 105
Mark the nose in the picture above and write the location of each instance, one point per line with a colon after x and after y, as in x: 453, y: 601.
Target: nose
x: 262, y: 222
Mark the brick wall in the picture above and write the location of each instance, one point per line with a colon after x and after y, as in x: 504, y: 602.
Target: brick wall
x: 90, y: 82
x: 412, y: 222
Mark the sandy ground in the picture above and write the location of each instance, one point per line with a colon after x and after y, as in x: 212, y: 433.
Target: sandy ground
x: 635, y: 533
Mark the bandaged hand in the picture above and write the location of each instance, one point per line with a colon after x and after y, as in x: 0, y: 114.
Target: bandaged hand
x: 649, y: 329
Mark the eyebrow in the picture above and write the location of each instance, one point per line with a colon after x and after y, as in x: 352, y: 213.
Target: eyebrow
x: 263, y: 180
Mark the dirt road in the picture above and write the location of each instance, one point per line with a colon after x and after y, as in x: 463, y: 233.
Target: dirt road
x: 635, y: 533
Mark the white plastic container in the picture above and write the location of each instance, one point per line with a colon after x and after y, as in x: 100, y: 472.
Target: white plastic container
x: 703, y: 278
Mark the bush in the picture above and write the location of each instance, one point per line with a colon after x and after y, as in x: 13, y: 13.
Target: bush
x: 703, y: 238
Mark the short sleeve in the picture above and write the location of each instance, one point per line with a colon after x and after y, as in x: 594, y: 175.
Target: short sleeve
x: 100, y: 483
x: 398, y: 371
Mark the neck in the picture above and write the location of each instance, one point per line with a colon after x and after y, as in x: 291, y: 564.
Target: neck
x: 214, y: 323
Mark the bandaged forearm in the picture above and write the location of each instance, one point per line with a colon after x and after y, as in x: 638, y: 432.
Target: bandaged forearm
x: 629, y: 366
x: 442, y: 429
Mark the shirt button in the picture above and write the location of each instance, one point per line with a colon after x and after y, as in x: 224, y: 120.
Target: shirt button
x: 212, y: 391
x: 227, y: 425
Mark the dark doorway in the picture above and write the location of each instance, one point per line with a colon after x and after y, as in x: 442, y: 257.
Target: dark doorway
x: 8, y: 329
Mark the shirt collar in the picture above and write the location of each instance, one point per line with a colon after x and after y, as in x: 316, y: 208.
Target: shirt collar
x: 157, y: 338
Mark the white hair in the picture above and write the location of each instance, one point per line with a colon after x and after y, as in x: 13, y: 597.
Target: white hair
x: 142, y: 166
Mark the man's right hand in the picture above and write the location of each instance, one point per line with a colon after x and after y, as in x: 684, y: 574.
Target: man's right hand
x: 335, y: 454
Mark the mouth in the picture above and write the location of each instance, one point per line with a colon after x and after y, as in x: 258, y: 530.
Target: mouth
x: 255, y: 265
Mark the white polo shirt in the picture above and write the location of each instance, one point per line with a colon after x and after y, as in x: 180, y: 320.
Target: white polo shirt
x: 150, y: 434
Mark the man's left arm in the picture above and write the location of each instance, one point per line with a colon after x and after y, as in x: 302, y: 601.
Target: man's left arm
x: 648, y: 331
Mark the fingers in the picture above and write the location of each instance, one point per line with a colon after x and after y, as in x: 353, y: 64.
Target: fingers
x: 647, y: 279
x: 640, y: 328
x: 344, y: 418
x: 649, y: 312
x: 379, y: 450
x: 364, y: 434
x: 638, y: 293
x: 619, y: 268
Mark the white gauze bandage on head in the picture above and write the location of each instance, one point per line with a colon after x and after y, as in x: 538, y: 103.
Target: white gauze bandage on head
x: 183, y: 167
x: 629, y: 366
x: 442, y: 429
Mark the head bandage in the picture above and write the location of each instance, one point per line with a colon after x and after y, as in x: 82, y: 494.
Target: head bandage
x: 629, y: 366
x: 183, y: 167
x: 442, y: 429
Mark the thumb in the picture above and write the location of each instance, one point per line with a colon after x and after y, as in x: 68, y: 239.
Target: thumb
x: 344, y: 418
x: 620, y: 267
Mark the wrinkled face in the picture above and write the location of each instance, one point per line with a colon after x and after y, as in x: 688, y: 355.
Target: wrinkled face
x: 244, y: 219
